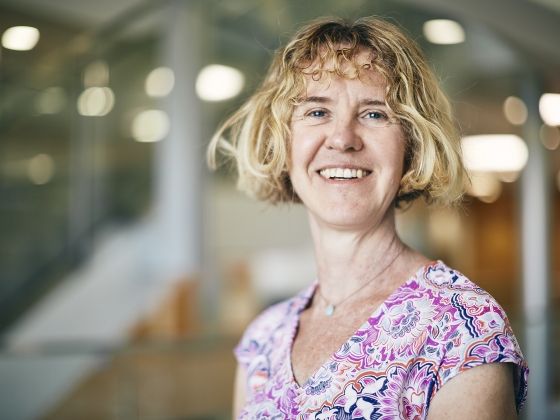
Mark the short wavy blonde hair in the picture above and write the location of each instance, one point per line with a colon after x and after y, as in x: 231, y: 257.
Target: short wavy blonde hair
x: 258, y: 134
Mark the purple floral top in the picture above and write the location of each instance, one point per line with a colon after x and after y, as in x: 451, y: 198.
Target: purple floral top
x: 436, y: 325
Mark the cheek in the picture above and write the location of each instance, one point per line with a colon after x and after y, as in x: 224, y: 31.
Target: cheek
x: 390, y: 155
x: 396, y: 151
x: 400, y: 159
x: 294, y: 159
x: 302, y: 149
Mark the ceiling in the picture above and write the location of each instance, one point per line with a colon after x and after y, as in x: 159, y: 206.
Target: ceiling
x: 533, y: 25
x: 528, y: 24
x: 85, y: 13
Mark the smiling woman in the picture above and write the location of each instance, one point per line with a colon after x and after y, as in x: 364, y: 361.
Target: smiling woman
x: 343, y: 125
x: 351, y: 122
x: 260, y: 130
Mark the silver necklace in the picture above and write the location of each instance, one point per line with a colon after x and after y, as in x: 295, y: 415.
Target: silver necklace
x: 329, y: 310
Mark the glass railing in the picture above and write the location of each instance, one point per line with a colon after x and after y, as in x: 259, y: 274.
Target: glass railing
x: 189, y: 379
x: 68, y: 163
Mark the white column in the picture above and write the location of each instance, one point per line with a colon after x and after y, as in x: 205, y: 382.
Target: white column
x: 535, y: 227
x: 179, y: 157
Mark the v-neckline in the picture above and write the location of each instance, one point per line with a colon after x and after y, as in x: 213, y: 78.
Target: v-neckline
x: 306, y: 297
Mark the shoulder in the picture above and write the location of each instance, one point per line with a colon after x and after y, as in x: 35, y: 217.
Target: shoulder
x: 458, y: 301
x: 460, y: 307
x: 440, y: 314
x: 438, y: 276
x: 447, y: 304
x: 447, y: 288
x: 468, y: 327
x: 269, y: 330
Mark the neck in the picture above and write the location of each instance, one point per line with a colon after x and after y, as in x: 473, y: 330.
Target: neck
x: 348, y: 260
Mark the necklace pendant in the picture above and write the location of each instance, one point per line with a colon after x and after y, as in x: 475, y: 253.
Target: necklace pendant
x: 329, y: 310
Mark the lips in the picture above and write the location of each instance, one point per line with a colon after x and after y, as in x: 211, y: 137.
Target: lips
x: 343, y: 173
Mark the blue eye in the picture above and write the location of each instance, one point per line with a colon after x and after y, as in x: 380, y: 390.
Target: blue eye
x: 375, y: 115
x: 317, y: 113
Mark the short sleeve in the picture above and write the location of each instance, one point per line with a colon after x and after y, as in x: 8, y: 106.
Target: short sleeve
x: 264, y: 335
x: 262, y: 348
x: 247, y: 348
x: 483, y: 336
x: 266, y: 339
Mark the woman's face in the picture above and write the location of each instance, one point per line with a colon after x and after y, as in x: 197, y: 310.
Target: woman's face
x: 342, y: 130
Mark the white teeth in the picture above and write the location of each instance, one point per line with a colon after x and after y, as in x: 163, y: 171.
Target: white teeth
x: 343, y: 173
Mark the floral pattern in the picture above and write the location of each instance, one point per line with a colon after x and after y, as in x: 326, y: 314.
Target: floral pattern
x: 436, y: 325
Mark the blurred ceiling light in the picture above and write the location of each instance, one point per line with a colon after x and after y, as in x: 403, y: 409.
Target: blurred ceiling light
x: 549, y: 108
x: 444, y: 31
x: 20, y: 38
x: 150, y: 126
x: 40, y: 169
x: 515, y: 110
x: 160, y: 82
x: 50, y: 101
x: 485, y: 187
x: 494, y: 153
x: 96, y: 101
x: 218, y: 83
x: 96, y: 74
x: 550, y: 136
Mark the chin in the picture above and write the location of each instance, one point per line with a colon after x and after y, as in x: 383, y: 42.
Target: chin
x: 348, y: 217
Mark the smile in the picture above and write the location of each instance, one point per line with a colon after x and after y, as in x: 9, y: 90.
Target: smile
x: 341, y: 173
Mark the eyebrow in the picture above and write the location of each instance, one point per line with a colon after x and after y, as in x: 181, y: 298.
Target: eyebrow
x: 325, y: 100
x: 316, y: 99
x: 372, y: 102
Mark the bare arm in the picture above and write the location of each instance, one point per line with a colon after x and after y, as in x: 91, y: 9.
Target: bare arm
x: 482, y: 393
x: 239, y: 391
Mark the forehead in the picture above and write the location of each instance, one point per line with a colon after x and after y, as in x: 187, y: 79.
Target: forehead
x: 356, y: 70
x: 345, y: 55
x: 367, y: 87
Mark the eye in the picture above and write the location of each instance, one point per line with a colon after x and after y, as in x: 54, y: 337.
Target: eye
x: 376, y: 115
x: 317, y: 113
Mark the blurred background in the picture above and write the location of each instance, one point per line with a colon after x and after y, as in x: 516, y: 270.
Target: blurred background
x: 128, y: 270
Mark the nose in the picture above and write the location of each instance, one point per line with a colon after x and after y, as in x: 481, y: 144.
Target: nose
x: 344, y: 136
